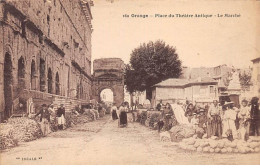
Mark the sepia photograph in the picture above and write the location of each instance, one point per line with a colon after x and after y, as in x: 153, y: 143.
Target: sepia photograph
x: 129, y: 82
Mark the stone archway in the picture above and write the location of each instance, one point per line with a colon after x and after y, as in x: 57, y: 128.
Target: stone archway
x: 108, y: 73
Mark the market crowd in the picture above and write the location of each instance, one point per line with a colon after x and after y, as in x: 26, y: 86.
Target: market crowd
x: 222, y: 120
x: 51, y: 119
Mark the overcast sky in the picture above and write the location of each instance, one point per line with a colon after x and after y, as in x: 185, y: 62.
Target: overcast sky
x: 198, y: 41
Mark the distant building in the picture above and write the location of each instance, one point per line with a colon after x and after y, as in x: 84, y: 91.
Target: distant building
x: 220, y: 73
x: 256, y: 76
x: 200, y: 90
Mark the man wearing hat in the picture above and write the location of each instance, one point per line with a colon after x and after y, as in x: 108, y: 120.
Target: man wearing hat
x: 61, y: 116
x: 229, y: 118
x: 214, y: 127
x: 44, y: 119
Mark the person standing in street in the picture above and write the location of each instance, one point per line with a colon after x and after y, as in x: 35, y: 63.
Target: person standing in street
x: 51, y: 109
x: 168, y: 117
x: 53, y: 122
x: 190, y: 111
x: 244, y: 119
x: 214, y: 127
x: 44, y: 119
x: 61, y: 116
x: 255, y: 117
x: 159, y: 106
x: 122, y: 115
x: 229, y: 117
x: 114, y: 112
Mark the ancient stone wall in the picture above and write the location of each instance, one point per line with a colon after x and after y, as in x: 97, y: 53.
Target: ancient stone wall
x: 51, y: 41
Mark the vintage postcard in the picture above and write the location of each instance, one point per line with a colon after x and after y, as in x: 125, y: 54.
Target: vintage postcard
x: 129, y: 82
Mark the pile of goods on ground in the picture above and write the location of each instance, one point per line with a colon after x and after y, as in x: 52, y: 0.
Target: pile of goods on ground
x: 68, y: 120
x: 152, y: 118
x: 108, y: 110
x: 130, y: 117
x: 25, y: 129
x: 181, y: 131
x: 135, y: 116
x: 80, y: 119
x: 142, y: 117
x: 213, y: 145
x: 102, y: 113
x: 89, y: 113
x: 7, y: 138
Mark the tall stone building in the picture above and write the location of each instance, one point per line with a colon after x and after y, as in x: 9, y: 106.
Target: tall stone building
x: 45, y: 53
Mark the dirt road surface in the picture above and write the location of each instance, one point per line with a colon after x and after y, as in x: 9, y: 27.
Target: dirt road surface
x: 102, y: 142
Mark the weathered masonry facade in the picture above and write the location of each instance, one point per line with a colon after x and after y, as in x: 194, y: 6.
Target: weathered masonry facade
x: 108, y: 73
x: 45, y: 51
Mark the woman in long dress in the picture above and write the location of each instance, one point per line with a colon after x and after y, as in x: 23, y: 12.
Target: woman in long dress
x: 114, y: 112
x: 168, y: 117
x: 123, y: 115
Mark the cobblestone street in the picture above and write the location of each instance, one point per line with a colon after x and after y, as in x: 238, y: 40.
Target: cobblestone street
x: 102, y: 142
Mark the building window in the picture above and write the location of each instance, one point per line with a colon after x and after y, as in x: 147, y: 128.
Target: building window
x: 57, y: 84
x: 21, y: 73
x: 33, y: 75
x: 49, y: 80
x: 211, y: 89
x: 203, y: 89
x: 42, y: 75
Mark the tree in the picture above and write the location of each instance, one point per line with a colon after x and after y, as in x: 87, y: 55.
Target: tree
x: 245, y: 80
x: 151, y: 63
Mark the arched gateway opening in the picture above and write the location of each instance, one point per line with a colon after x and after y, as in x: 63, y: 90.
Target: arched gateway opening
x: 107, y: 96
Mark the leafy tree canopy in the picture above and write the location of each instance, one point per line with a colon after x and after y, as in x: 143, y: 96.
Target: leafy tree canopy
x: 245, y: 80
x: 151, y: 63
